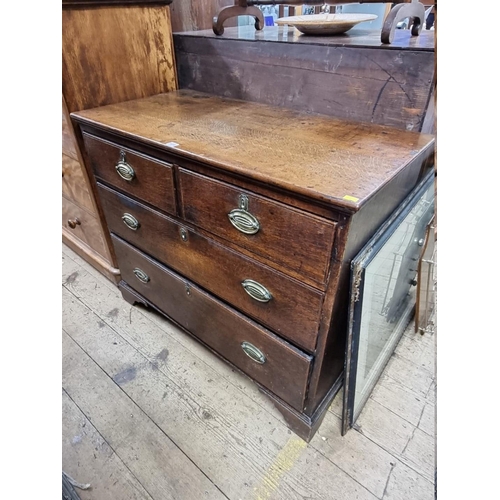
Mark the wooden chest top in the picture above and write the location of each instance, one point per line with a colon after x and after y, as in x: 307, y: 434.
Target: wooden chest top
x: 332, y: 161
x: 356, y: 37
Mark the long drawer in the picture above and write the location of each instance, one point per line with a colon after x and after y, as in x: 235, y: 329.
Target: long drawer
x: 290, y: 308
x: 136, y: 174
x: 275, y: 364
x: 290, y: 237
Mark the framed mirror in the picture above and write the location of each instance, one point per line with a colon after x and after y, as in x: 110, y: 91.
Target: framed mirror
x: 383, y: 296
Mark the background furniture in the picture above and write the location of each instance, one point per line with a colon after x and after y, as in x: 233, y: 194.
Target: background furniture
x: 111, y: 51
x: 352, y: 76
x: 192, y: 15
x: 82, y: 229
x: 412, y: 9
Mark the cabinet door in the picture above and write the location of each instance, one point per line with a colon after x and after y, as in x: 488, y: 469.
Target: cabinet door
x: 383, y: 296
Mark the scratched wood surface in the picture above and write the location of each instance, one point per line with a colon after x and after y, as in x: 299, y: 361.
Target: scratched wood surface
x: 356, y: 37
x: 159, y: 407
x: 334, y: 161
x: 352, y: 76
x: 82, y: 440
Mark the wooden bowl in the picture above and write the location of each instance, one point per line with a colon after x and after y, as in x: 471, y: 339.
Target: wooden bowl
x: 325, y: 24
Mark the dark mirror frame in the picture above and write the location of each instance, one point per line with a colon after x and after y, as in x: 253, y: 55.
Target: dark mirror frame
x: 358, y: 268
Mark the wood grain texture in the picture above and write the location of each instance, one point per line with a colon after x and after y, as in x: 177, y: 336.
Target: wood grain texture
x: 294, y: 310
x: 289, y: 237
x: 188, y: 15
x: 69, y: 146
x: 153, y: 181
x: 130, y: 432
x: 113, y: 2
x: 285, y: 370
x: 429, y: 125
x: 170, y: 156
x: 116, y: 54
x: 89, y: 231
x: 359, y: 230
x: 238, y: 140
x: 336, y: 162
x: 219, y: 419
x: 356, y: 37
x: 354, y: 83
x: 77, y: 188
x: 74, y: 186
x: 88, y: 458
x: 213, y: 414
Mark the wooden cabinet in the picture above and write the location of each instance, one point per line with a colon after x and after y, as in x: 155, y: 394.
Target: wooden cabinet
x: 190, y: 15
x: 82, y: 229
x: 351, y: 76
x: 244, y: 237
x: 112, y: 51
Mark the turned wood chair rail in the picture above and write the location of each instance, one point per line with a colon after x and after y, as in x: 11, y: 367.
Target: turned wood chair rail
x: 402, y: 9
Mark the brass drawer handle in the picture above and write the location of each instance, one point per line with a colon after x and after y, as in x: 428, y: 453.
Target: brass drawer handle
x: 257, y: 291
x: 130, y: 221
x: 141, y: 275
x: 125, y: 171
x: 72, y: 223
x: 242, y: 219
x: 252, y: 352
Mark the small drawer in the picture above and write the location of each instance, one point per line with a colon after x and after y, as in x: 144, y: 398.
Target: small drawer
x: 84, y: 226
x: 74, y: 184
x: 275, y: 364
x: 292, y: 238
x: 290, y: 308
x: 142, y: 177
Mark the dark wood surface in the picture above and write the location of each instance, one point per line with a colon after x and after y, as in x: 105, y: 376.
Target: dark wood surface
x: 115, y: 54
x: 285, y: 371
x: 153, y: 181
x: 295, y: 308
x: 356, y: 81
x: 113, y: 2
x: 201, y: 167
x: 346, y: 177
x: 332, y: 161
x: 294, y: 239
x: 361, y: 227
x: 355, y: 37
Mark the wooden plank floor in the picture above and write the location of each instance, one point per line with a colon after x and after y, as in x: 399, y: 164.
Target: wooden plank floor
x: 148, y: 413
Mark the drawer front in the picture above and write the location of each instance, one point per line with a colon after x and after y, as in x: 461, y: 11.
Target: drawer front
x: 273, y: 363
x: 293, y: 309
x: 285, y: 235
x: 84, y: 226
x: 74, y: 184
x: 138, y: 175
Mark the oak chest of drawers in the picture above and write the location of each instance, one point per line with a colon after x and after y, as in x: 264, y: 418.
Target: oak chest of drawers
x: 238, y: 221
